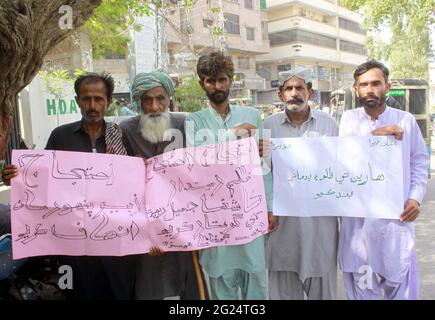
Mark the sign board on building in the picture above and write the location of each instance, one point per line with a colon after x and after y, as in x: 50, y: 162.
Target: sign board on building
x: 255, y: 83
x: 42, y: 112
x: 274, y: 83
x: 396, y: 93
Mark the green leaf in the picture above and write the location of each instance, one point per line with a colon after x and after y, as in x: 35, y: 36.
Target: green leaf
x: 409, y: 50
x: 110, y: 25
x: 189, y: 95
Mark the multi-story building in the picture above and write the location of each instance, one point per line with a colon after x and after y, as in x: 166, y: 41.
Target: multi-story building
x: 245, y: 33
x: 319, y: 35
x: 76, y: 53
x: 432, y: 85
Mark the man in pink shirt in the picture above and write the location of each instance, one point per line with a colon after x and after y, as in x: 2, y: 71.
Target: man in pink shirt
x: 379, y: 254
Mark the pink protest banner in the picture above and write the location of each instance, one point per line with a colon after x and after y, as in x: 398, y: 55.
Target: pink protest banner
x: 72, y: 203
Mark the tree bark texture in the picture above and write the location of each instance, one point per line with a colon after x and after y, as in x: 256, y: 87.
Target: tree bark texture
x: 28, y: 30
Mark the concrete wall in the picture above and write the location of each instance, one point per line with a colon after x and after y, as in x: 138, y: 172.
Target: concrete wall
x: 72, y: 53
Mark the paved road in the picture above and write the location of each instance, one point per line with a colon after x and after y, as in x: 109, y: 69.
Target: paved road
x: 425, y: 229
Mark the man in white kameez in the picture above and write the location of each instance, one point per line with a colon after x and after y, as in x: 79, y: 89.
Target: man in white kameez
x: 301, y: 254
x: 379, y: 254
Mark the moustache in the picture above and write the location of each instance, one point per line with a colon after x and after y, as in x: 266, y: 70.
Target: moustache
x: 295, y: 101
x: 370, y: 97
x: 154, y: 115
x: 92, y: 111
x: 216, y: 93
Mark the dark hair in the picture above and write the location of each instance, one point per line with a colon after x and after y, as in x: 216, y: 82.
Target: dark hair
x: 213, y: 63
x: 371, y: 64
x: 106, y: 78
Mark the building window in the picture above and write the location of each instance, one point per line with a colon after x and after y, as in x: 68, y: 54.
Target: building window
x: 284, y: 67
x: 323, y: 73
x: 264, y: 72
x: 336, y: 74
x: 250, y: 34
x: 248, y: 4
x: 243, y: 63
x: 350, y: 25
x: 263, y: 4
x: 290, y: 36
x: 353, y: 47
x: 232, y: 23
x: 207, y: 23
x: 264, y: 30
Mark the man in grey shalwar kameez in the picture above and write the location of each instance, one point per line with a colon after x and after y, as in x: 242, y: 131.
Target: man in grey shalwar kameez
x: 301, y: 254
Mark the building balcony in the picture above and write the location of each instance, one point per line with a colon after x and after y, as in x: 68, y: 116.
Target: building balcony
x: 351, y: 36
x: 315, y: 27
x: 235, y: 42
x: 324, y: 6
x: 321, y: 5
x: 300, y: 50
x: 303, y: 23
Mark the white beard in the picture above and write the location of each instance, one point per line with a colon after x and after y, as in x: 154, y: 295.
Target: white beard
x: 153, y: 128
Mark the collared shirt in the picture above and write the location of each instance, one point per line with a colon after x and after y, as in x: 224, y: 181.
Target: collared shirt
x: 73, y: 137
x: 318, y: 124
x: 208, y: 127
x: 205, y: 127
x: 385, y: 245
x: 137, y: 145
x: 305, y: 245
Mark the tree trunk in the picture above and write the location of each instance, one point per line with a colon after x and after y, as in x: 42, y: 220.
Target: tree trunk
x: 6, y: 118
x: 28, y: 30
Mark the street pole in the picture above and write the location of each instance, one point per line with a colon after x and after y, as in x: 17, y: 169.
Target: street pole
x: 161, y: 60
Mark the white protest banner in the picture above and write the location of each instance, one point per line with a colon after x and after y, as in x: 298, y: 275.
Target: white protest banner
x: 338, y: 176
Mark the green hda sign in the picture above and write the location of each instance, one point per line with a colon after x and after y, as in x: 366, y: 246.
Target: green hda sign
x: 61, y: 107
x: 396, y: 93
